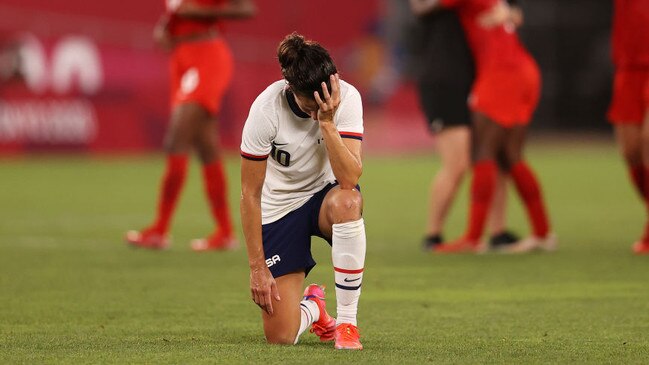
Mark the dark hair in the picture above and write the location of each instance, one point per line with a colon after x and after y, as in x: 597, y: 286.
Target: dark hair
x: 305, y: 65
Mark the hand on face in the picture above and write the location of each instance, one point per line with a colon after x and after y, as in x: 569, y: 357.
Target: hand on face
x: 327, y: 107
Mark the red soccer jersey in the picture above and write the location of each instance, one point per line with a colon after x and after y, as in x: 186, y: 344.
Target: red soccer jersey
x: 496, y: 46
x: 179, y: 26
x: 631, y: 33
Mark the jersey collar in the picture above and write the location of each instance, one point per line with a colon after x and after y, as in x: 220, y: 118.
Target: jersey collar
x: 293, y: 105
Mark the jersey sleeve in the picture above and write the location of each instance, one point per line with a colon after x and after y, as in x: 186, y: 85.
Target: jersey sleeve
x: 258, y: 133
x: 349, y: 120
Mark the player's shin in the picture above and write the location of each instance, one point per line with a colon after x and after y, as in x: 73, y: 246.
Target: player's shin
x: 348, y: 256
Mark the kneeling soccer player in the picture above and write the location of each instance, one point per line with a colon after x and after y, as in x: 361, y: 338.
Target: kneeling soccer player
x: 311, y: 125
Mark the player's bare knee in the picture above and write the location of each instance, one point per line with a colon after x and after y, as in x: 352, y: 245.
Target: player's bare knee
x: 485, y: 153
x: 632, y: 154
x: 461, y: 168
x: 174, y: 146
x: 206, y: 155
x: 277, y: 338
x: 168, y: 145
x: 346, y: 205
x: 456, y: 171
x: 171, y: 149
x: 644, y: 145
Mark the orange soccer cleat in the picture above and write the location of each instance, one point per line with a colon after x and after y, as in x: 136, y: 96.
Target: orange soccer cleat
x: 216, y: 242
x: 348, y: 337
x: 324, y: 327
x: 148, y: 238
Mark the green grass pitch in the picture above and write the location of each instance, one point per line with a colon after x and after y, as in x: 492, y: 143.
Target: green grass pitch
x: 72, y: 292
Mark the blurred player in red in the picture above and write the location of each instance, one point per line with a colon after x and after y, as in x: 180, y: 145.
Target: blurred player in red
x: 201, y: 69
x: 444, y: 83
x: 629, y: 109
x: 503, y: 98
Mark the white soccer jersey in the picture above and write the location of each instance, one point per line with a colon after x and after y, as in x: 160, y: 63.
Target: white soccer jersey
x: 299, y: 165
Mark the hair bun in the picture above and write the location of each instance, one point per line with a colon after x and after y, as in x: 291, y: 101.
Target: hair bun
x: 290, y: 49
x: 296, y: 41
x: 305, y: 64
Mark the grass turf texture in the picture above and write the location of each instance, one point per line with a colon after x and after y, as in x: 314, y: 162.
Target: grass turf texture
x: 72, y: 292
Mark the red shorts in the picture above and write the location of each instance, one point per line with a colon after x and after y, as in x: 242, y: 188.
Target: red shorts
x: 201, y: 72
x: 630, y: 96
x: 507, y: 95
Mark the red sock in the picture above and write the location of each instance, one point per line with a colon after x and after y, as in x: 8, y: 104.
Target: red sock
x: 530, y: 192
x: 216, y: 190
x: 645, y: 197
x: 172, y: 183
x: 483, y: 187
x: 637, y: 173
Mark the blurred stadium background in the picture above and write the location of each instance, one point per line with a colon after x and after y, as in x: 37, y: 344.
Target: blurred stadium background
x: 96, y: 83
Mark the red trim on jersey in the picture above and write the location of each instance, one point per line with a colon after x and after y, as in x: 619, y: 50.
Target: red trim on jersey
x: 352, y: 135
x: 346, y: 271
x: 252, y: 157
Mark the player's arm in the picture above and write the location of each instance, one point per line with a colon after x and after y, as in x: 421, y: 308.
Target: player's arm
x: 344, y: 154
x: 233, y: 9
x: 161, y: 34
x: 423, y: 7
x: 515, y: 13
x: 262, y: 283
x: 501, y: 13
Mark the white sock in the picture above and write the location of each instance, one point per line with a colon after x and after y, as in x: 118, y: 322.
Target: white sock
x: 348, y: 256
x: 309, y: 313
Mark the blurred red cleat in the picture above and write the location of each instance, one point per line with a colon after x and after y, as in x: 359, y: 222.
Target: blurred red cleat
x: 216, y: 242
x: 461, y: 245
x: 641, y: 248
x: 148, y: 238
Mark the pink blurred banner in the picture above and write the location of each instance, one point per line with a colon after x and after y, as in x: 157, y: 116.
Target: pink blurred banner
x: 95, y: 82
